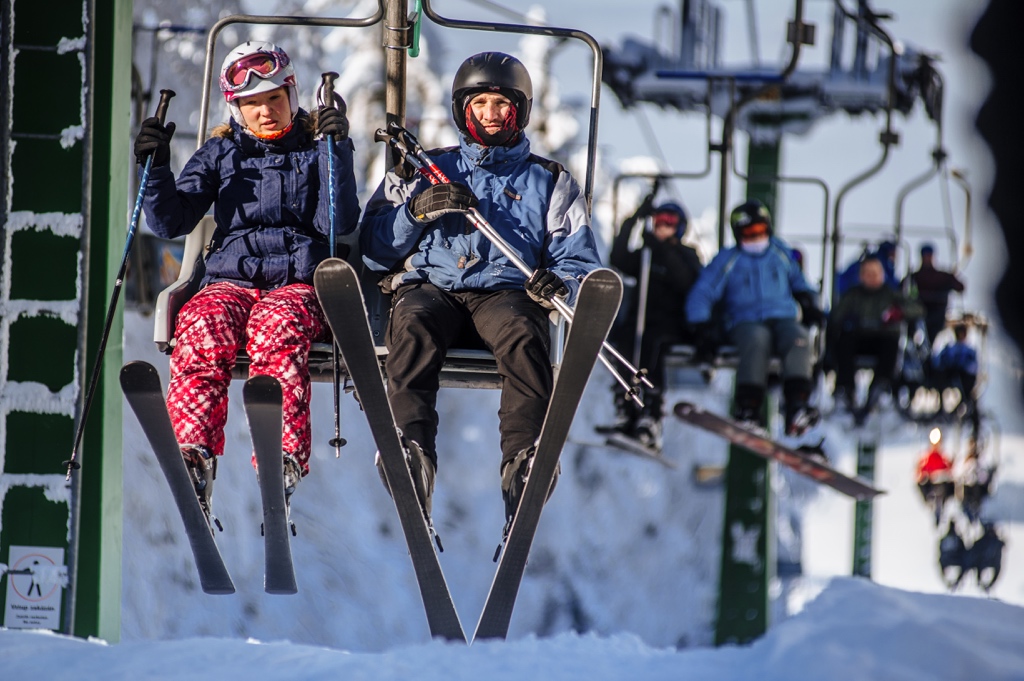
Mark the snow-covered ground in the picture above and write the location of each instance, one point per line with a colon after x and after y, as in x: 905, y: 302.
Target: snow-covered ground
x: 853, y: 631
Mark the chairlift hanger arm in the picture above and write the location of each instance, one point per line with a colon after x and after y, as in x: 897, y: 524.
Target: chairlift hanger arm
x: 961, y: 180
x: 211, y: 45
x: 887, y: 138
x: 678, y: 175
x: 729, y: 122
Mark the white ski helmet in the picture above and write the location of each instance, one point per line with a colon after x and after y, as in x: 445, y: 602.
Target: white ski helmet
x: 255, y: 67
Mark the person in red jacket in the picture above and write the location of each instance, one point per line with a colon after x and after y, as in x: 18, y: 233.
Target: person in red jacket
x: 935, y: 475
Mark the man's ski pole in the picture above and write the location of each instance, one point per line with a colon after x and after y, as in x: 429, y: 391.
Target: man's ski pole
x: 133, y: 226
x: 411, y: 150
x: 327, y: 99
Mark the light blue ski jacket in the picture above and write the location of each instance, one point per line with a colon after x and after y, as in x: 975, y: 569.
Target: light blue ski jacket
x: 752, y: 288
x: 533, y: 203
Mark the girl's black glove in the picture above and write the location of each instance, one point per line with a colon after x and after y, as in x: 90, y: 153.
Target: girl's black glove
x: 154, y: 138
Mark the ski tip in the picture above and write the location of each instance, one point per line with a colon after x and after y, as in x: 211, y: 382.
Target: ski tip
x: 262, y: 388
x: 330, y: 266
x: 136, y: 367
x: 136, y: 375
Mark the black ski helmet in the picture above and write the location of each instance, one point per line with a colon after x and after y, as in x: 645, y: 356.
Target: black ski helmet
x: 492, y: 72
x: 749, y: 213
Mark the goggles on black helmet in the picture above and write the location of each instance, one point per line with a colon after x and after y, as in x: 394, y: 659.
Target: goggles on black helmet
x: 262, y: 64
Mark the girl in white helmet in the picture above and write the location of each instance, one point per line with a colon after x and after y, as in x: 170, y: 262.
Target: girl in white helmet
x: 265, y: 174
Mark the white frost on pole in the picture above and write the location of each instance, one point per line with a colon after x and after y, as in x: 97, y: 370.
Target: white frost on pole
x: 744, y: 544
x: 65, y: 310
x: 61, y: 224
x: 55, y: 488
x: 69, y: 136
x: 66, y: 45
x: 36, y: 398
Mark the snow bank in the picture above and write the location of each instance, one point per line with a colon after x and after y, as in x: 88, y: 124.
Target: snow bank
x: 854, y: 631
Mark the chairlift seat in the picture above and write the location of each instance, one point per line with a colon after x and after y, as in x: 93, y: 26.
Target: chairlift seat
x: 463, y: 367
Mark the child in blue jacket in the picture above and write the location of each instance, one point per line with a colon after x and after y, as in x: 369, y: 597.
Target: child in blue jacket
x: 761, y: 294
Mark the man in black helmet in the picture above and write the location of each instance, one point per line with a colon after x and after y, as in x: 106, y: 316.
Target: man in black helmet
x: 673, y: 268
x: 764, y: 298
x: 450, y: 282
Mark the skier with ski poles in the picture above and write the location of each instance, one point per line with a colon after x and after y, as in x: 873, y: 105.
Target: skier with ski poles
x: 449, y: 280
x: 265, y: 173
x: 666, y: 269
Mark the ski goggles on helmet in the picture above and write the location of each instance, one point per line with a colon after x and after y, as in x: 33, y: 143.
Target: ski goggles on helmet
x: 754, y: 230
x: 666, y: 218
x: 262, y: 64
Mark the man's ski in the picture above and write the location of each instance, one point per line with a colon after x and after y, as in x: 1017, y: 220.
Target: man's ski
x: 630, y: 445
x: 596, y: 306
x: 752, y: 438
x: 141, y: 385
x: 262, y: 395
x: 337, y: 287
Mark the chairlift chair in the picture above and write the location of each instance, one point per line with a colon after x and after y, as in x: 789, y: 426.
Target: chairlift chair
x: 463, y: 367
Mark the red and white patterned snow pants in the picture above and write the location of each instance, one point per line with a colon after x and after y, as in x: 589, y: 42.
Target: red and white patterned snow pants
x: 276, y: 327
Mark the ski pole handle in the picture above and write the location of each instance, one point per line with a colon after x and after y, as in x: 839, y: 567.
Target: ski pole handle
x: 407, y: 156
x: 327, y: 89
x: 418, y: 150
x: 161, y: 107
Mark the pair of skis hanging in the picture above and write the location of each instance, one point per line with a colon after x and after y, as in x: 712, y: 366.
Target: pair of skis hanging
x: 262, y: 394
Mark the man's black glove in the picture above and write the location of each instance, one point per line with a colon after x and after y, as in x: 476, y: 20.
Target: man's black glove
x: 646, y: 206
x: 705, y: 342
x: 441, y: 199
x: 332, y: 121
x: 812, y: 314
x: 543, y: 284
x: 154, y: 138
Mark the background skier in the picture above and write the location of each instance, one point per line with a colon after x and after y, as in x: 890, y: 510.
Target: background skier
x: 763, y: 294
x: 674, y: 268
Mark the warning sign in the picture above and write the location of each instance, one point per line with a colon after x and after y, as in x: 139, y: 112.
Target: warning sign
x: 35, y: 579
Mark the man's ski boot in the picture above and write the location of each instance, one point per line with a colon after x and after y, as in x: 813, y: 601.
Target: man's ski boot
x: 815, y: 450
x: 423, y: 468
x: 625, y: 417
x: 202, y: 470
x: 800, y: 418
x: 648, y: 432
x: 799, y: 415
x: 514, y: 474
x: 879, y: 398
x: 747, y: 404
